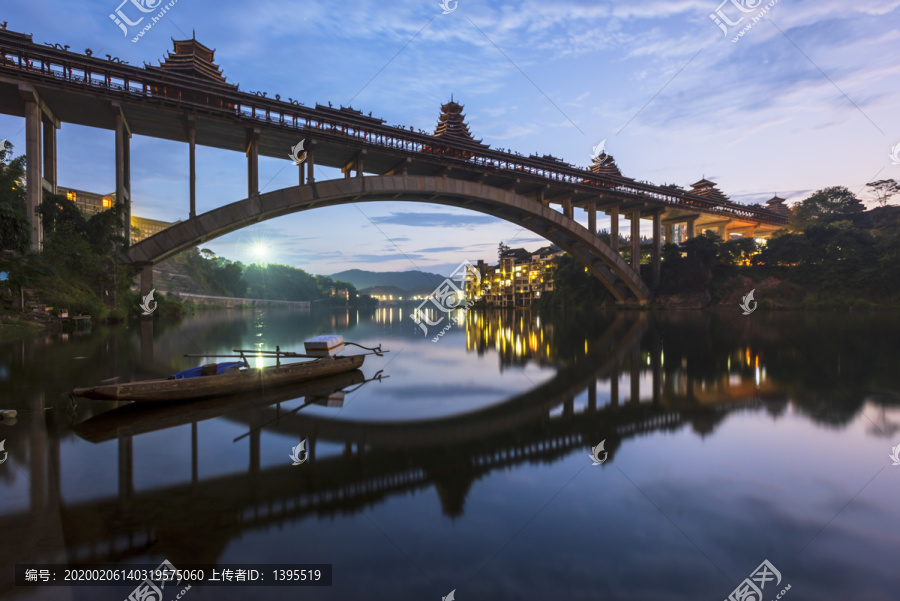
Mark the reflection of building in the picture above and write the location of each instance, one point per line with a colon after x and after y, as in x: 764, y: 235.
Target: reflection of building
x: 92, y: 203
x: 516, y: 337
x: 518, y: 279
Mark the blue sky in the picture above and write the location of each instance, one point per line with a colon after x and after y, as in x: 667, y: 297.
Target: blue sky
x: 806, y: 98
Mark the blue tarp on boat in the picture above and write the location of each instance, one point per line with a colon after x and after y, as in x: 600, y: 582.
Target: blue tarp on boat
x: 196, y: 372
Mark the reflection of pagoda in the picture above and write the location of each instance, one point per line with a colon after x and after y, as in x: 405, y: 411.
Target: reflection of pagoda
x: 605, y: 164
x: 776, y: 204
x: 707, y: 189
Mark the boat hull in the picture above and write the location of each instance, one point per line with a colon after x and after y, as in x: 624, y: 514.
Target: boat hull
x: 206, y: 386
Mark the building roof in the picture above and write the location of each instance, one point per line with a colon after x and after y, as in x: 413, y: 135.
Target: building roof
x: 605, y: 164
x: 193, y: 59
x: 708, y: 190
x: 452, y: 124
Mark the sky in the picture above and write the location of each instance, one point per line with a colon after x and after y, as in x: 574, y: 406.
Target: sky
x: 805, y: 98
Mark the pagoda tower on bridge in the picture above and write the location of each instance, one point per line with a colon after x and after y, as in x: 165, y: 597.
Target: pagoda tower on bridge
x: 707, y: 189
x: 452, y: 125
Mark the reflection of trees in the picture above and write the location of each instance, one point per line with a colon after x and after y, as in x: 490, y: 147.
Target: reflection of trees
x: 826, y: 363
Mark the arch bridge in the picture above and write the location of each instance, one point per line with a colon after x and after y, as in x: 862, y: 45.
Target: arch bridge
x: 187, y: 99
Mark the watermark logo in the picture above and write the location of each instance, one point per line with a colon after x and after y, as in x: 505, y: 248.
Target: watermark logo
x: 145, y: 303
x: 895, y: 154
x: 3, y: 450
x: 143, y: 6
x: 445, y: 4
x: 297, y: 451
x: 595, y: 453
x: 295, y: 152
x: 448, y: 297
x: 724, y: 22
x: 599, y: 149
x: 751, y: 589
x: 151, y: 589
x: 895, y: 456
x: 745, y: 303
x: 451, y: 596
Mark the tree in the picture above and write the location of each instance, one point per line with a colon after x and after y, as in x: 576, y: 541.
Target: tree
x: 15, y: 230
x: 824, y: 206
x: 882, y: 190
x: 502, y: 251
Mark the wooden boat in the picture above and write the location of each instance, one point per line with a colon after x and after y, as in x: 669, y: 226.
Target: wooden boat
x: 139, y: 418
x: 225, y: 378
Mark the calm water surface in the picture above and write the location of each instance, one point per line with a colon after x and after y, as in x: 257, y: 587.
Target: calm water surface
x: 728, y: 440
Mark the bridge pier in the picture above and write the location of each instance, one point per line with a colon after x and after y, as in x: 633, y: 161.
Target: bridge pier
x: 669, y: 232
x: 192, y: 156
x: 146, y: 280
x: 33, y: 183
x: 252, y: 162
x: 636, y: 240
x: 614, y: 228
x: 567, y: 207
x: 50, y: 155
x: 123, y: 171
x: 310, y: 163
x: 690, y: 223
x: 591, y: 209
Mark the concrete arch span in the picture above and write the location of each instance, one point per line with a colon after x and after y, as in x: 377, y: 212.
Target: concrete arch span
x: 604, y: 263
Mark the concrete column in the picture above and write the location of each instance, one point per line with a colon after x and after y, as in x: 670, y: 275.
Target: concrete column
x: 192, y: 142
x: 121, y: 195
x: 146, y: 280
x: 567, y: 208
x: 722, y: 233
x: 310, y: 165
x: 252, y: 162
x: 301, y: 168
x: 669, y: 229
x: 591, y: 209
x: 614, y: 228
x: 657, y: 247
x: 690, y: 228
x: 359, y: 163
x: 636, y: 240
x: 50, y: 157
x: 33, y: 180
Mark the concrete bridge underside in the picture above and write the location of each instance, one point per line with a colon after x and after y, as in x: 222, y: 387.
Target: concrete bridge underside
x: 606, y: 264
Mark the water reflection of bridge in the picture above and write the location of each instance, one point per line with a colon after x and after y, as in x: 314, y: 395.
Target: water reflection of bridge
x: 196, y: 521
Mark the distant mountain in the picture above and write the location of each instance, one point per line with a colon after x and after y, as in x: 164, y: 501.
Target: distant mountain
x: 414, y: 282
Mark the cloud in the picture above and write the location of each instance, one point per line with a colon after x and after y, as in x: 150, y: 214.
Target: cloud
x: 435, y: 219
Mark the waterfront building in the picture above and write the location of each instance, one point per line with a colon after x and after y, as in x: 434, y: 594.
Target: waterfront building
x: 92, y: 203
x: 518, y: 279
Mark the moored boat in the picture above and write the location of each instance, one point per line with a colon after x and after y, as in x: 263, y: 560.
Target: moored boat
x: 225, y: 378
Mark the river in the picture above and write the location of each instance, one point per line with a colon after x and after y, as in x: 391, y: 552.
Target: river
x: 734, y: 452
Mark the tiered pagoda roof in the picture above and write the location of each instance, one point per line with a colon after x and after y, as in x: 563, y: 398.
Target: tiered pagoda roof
x: 776, y: 203
x: 193, y: 59
x: 605, y: 164
x: 707, y: 189
x: 452, y: 124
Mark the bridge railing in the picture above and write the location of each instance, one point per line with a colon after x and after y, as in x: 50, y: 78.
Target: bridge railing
x: 72, y: 68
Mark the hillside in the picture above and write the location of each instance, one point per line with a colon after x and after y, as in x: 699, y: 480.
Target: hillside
x: 413, y: 282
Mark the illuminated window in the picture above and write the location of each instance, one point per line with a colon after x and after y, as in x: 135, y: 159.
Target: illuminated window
x: 70, y: 195
x: 107, y: 202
